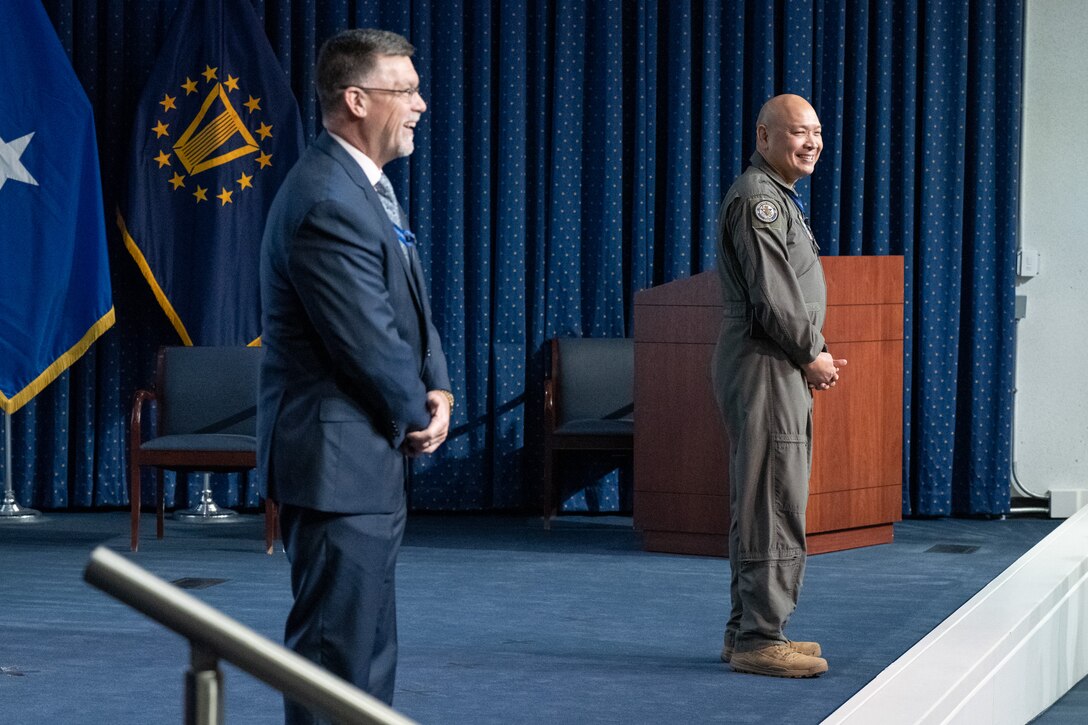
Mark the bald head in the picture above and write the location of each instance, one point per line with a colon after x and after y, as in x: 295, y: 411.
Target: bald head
x: 788, y: 136
x: 783, y: 107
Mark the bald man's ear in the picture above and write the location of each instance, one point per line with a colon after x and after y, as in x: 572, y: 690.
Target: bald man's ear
x: 761, y: 134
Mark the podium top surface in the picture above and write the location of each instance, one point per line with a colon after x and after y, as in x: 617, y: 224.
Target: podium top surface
x: 858, y: 280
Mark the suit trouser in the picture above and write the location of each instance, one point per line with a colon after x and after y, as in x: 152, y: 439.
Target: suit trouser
x: 344, y: 616
x: 767, y: 408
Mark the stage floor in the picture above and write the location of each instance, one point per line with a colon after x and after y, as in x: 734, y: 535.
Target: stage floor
x: 500, y: 621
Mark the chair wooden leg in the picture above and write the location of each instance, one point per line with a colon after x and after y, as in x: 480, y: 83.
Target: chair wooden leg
x: 160, y: 504
x: 271, y: 525
x: 134, y: 502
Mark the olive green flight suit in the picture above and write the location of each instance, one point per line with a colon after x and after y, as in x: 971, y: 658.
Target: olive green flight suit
x: 774, y: 298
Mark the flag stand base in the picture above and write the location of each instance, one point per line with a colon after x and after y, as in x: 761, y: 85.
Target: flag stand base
x: 207, y: 511
x: 9, y: 510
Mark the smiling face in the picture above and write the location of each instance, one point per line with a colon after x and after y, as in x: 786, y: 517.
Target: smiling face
x: 788, y: 136
x: 388, y: 126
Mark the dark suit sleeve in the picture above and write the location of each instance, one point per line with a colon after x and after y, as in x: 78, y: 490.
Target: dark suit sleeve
x: 435, y: 372
x: 337, y: 265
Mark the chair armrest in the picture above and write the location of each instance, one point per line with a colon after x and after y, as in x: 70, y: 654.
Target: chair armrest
x: 551, y: 383
x: 135, y: 434
x: 549, y: 406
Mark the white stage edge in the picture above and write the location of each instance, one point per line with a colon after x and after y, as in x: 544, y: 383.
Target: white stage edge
x: 1005, y: 656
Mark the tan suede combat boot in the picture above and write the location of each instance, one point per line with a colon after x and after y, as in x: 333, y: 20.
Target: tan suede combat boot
x: 812, y: 649
x: 778, y: 660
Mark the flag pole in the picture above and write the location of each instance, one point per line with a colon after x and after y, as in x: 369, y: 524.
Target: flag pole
x: 9, y: 510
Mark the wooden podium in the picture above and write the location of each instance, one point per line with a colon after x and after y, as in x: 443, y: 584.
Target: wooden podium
x: 681, y: 459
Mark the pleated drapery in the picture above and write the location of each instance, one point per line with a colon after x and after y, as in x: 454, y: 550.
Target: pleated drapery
x: 574, y: 153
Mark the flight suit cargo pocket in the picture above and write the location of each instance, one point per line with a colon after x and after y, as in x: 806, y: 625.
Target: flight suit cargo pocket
x: 791, y: 471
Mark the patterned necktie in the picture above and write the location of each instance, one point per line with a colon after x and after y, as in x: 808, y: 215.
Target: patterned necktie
x: 396, y: 215
x: 389, y: 202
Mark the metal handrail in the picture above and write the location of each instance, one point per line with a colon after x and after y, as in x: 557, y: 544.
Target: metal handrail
x: 212, y: 634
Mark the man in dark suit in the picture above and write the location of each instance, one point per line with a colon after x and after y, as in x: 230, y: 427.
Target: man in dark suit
x: 353, y: 378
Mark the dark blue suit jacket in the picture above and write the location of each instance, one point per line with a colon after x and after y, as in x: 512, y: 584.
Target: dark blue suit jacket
x: 349, y: 346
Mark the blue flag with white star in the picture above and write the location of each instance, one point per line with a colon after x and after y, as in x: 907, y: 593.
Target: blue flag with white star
x: 216, y: 130
x: 55, y: 283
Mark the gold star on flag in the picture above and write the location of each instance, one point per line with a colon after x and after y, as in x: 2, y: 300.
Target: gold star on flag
x: 224, y: 196
x: 265, y: 159
x: 161, y: 129
x: 189, y: 85
x: 209, y: 72
x: 201, y: 194
x: 253, y: 104
x: 178, y: 181
x: 264, y: 131
x: 163, y: 158
x: 246, y: 182
x: 167, y: 102
x: 231, y: 83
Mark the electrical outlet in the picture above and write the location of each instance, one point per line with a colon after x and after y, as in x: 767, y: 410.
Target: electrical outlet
x: 1027, y: 262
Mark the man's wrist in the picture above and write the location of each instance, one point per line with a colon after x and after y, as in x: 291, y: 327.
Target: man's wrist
x: 449, y: 397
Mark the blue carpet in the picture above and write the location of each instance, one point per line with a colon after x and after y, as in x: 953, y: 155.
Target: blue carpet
x: 501, y: 622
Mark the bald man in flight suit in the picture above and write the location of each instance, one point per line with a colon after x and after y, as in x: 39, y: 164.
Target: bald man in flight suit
x: 769, y: 358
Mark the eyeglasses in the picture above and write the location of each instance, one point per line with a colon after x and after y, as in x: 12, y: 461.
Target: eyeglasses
x: 406, y: 93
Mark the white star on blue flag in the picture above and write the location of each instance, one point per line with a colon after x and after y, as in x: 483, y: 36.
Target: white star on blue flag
x: 10, y: 165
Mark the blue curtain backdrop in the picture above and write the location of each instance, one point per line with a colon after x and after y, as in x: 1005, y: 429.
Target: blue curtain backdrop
x: 575, y: 153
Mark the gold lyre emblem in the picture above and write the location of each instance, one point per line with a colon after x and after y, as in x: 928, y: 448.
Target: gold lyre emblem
x: 210, y: 141
x: 214, y: 137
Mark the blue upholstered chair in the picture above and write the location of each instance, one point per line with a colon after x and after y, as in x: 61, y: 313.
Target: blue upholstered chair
x: 588, y: 403
x: 206, y: 399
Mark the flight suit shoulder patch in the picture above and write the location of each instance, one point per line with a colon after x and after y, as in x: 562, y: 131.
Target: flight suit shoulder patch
x: 765, y: 211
